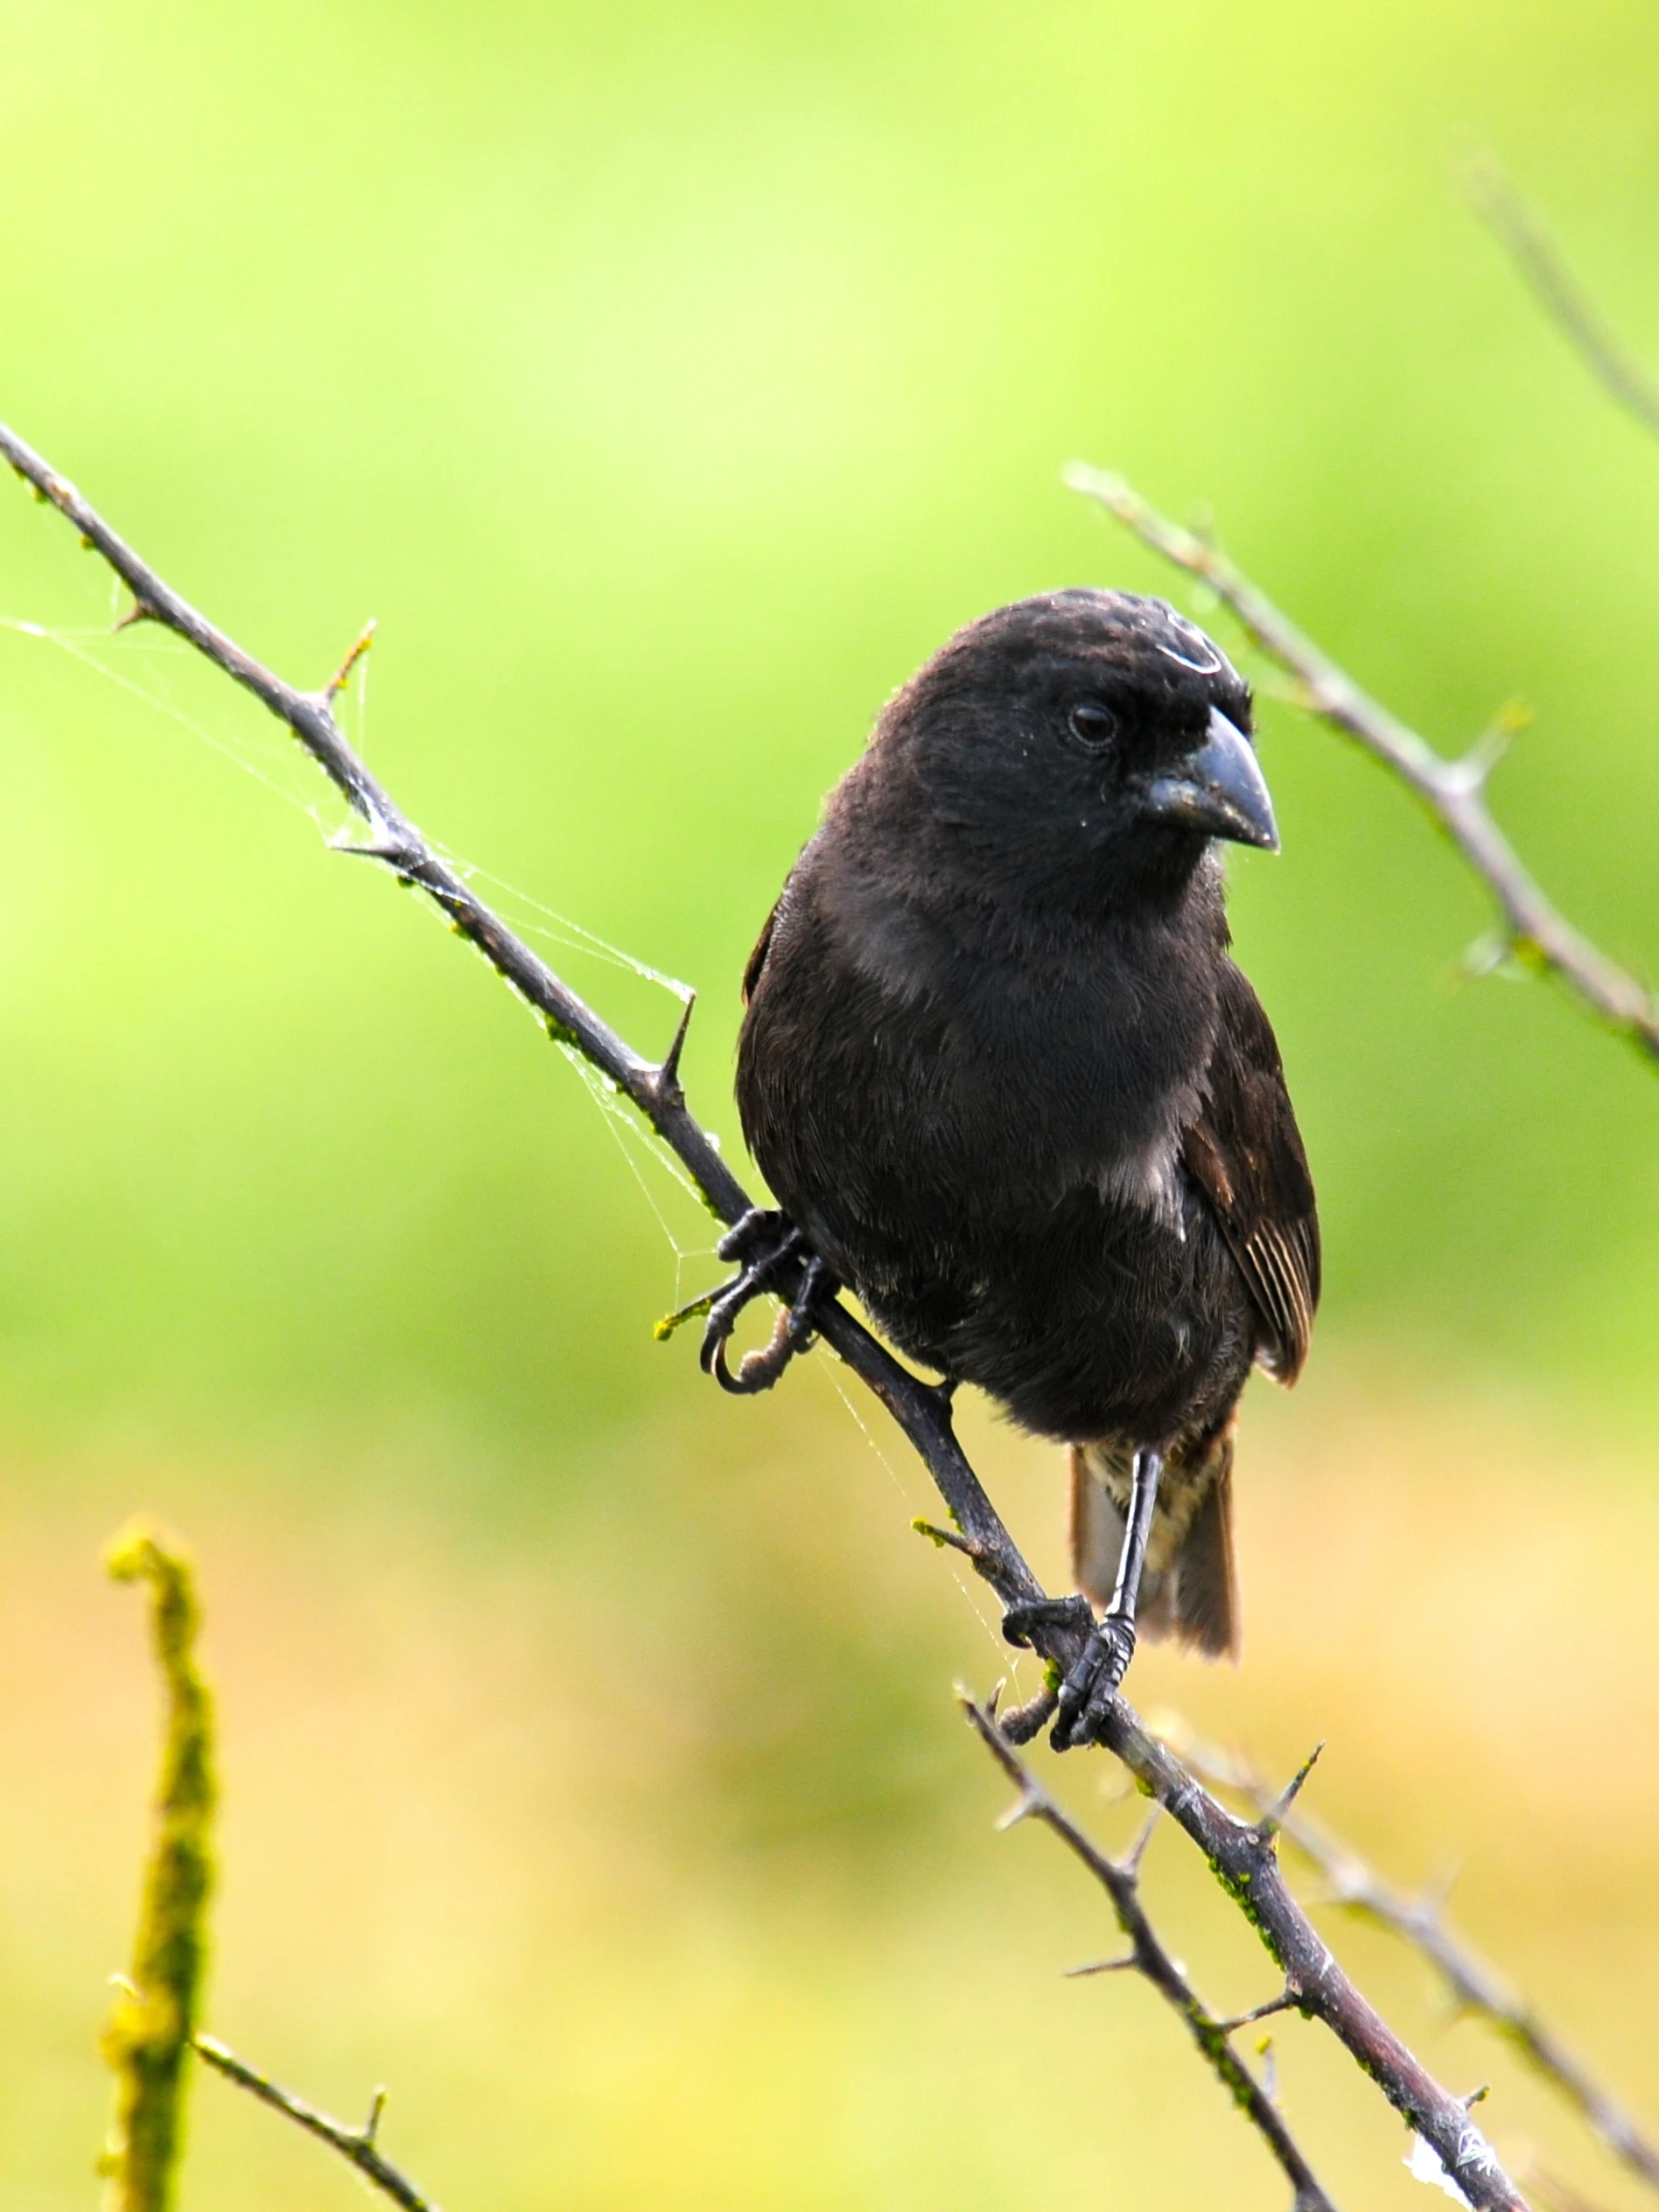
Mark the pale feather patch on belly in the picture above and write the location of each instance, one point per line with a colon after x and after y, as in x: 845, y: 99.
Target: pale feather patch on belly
x: 1149, y: 1179
x: 1180, y: 1495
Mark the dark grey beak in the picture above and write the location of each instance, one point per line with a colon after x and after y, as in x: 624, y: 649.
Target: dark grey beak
x: 1218, y: 789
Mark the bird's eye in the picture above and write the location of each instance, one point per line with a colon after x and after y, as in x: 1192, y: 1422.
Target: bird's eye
x: 1091, y: 723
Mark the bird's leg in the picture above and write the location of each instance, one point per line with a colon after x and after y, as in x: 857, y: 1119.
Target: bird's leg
x: 1092, y: 1683
x: 761, y: 1243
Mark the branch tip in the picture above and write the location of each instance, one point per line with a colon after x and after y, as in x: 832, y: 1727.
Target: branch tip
x: 948, y: 1536
x: 342, y: 675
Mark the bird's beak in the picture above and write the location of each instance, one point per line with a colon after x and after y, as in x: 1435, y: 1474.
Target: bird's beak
x: 1218, y: 790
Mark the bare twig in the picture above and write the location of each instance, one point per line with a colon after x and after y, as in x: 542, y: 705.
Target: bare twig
x: 1242, y: 1858
x: 152, y: 2030
x: 1476, y: 1986
x: 342, y: 675
x: 1245, y: 1862
x: 653, y: 1088
x: 1558, y: 291
x: 1149, y: 1959
x: 1453, y: 792
x: 358, y: 2144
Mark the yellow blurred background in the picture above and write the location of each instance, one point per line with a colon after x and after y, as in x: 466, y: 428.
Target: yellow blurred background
x: 668, y: 380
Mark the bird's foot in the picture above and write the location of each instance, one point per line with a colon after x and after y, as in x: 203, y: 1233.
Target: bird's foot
x: 763, y: 1243
x: 1087, y: 1692
x: 1073, y: 1612
x: 1089, y: 1688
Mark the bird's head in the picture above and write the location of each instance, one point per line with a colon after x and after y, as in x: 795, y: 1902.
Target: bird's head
x: 1083, y: 746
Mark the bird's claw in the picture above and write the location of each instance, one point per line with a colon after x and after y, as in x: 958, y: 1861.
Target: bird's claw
x: 763, y: 1243
x: 1089, y: 1688
x: 1087, y: 1692
x: 1019, y: 1621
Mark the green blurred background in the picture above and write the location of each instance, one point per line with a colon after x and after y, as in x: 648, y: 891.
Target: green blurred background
x: 667, y: 382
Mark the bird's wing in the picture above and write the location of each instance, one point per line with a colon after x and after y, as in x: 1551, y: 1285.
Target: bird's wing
x: 758, y: 958
x: 1245, y: 1153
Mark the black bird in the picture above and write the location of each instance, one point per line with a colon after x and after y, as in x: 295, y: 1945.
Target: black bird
x: 1007, y: 1085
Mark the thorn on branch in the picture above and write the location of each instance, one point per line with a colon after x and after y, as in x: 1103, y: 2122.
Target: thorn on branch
x: 342, y: 675
x: 357, y: 2145
x: 1130, y: 1864
x: 1472, y: 772
x: 1149, y: 1957
x: 1489, y: 954
x: 956, y: 1542
x: 1437, y: 1893
x: 138, y: 612
x: 667, y: 1078
x: 1474, y: 1987
x: 1272, y: 1820
x: 1027, y: 1803
x: 1283, y: 2003
x: 380, y: 845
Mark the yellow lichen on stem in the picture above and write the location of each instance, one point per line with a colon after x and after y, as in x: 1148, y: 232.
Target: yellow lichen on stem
x: 146, y: 2038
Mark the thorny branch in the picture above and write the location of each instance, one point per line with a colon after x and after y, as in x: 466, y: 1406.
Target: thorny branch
x: 1120, y: 1878
x: 1242, y: 1855
x: 356, y: 2144
x: 1478, y: 1987
x: 1454, y: 791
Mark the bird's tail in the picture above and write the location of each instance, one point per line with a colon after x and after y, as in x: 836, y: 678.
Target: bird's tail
x: 1188, y: 1589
